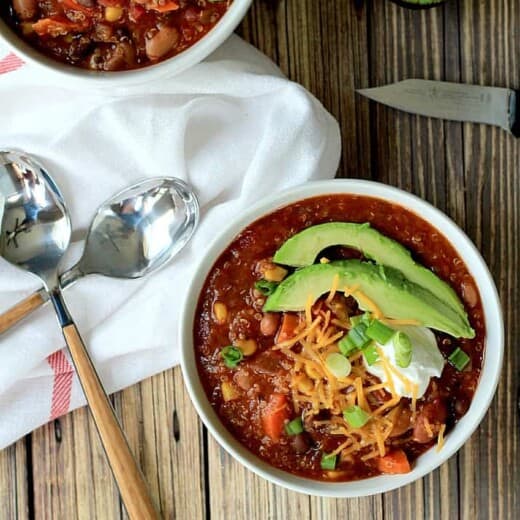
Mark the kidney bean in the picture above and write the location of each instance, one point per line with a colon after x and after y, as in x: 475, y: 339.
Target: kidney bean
x: 402, y: 421
x: 461, y: 405
x: 300, y: 443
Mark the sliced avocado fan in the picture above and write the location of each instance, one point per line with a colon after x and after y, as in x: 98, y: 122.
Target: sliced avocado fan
x: 395, y: 296
x: 303, y: 248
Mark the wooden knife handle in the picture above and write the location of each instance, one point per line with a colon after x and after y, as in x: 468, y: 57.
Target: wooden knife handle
x: 515, y: 127
x: 20, y: 310
x: 127, y: 474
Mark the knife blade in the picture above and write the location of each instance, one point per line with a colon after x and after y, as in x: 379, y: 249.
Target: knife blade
x: 454, y: 101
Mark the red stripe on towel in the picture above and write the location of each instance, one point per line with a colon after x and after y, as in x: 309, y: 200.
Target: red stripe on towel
x: 62, y: 387
x: 10, y: 63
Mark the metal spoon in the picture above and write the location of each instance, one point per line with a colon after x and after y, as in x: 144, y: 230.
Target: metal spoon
x: 132, y: 234
x: 34, y: 235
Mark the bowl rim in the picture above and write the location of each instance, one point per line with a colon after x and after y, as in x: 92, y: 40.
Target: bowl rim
x: 69, y: 75
x: 491, y: 367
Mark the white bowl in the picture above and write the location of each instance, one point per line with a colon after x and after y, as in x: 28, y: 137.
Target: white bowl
x: 493, y: 354
x: 70, y: 75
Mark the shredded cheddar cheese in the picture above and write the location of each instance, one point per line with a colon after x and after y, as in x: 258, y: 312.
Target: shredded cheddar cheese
x: 440, y: 438
x: 322, y: 397
x: 333, y: 289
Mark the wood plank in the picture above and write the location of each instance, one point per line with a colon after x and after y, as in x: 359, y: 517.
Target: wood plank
x: 237, y: 493
x: 490, y: 55
x: 14, y: 481
x: 165, y: 434
x: 73, y: 480
x: 71, y: 476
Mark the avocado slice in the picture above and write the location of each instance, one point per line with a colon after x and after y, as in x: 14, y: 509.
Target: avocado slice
x: 393, y: 294
x: 303, y: 248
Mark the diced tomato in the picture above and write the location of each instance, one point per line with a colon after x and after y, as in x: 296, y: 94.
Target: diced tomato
x: 162, y: 8
x: 274, y: 416
x: 288, y: 328
x: 57, y: 27
x: 76, y: 6
x: 394, y: 463
x: 113, y: 3
x: 136, y: 11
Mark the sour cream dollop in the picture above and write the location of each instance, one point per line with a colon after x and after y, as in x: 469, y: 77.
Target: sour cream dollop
x: 427, y: 361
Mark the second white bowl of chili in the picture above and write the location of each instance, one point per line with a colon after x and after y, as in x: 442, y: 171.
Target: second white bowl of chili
x: 116, y: 43
x: 252, y: 387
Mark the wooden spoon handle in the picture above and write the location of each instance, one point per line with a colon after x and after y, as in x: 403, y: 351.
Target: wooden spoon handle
x: 20, y: 310
x: 129, y: 478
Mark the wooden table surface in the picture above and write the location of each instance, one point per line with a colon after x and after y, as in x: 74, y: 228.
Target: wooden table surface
x: 471, y: 172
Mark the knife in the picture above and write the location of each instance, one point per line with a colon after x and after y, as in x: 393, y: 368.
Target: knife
x: 454, y: 101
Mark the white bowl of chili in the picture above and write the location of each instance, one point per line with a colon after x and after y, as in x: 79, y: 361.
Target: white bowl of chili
x: 234, y: 420
x: 117, y: 61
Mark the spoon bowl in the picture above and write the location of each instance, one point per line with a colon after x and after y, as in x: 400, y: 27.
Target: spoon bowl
x: 35, y: 226
x: 140, y: 229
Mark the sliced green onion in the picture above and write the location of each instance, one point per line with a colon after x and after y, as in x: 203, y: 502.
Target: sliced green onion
x: 346, y: 346
x: 328, y: 461
x: 371, y: 354
x: 379, y: 332
x: 338, y: 365
x: 459, y: 359
x: 402, y: 349
x: 265, y: 287
x: 358, y: 335
x: 361, y: 318
x: 294, y: 427
x: 231, y: 356
x: 355, y: 416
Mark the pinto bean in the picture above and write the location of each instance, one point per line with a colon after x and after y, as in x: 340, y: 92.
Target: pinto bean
x: 269, y: 323
x: 121, y: 57
x: 161, y: 42
x: 118, y: 56
x: 25, y: 9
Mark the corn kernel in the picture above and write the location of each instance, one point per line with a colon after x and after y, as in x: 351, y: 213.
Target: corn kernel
x: 229, y: 392
x: 220, y: 312
x: 305, y: 385
x: 112, y: 14
x: 27, y: 28
x: 276, y: 274
x: 247, y: 346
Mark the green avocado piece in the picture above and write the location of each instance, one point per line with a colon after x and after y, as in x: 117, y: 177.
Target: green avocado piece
x: 394, y: 295
x: 303, y: 248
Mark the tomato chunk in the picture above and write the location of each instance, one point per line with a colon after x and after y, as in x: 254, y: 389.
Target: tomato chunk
x: 394, y: 463
x: 274, y: 416
x: 59, y: 26
x: 163, y: 8
x: 288, y: 328
x: 76, y: 6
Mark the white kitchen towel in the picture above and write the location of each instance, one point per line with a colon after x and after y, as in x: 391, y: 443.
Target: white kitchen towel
x: 233, y: 127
